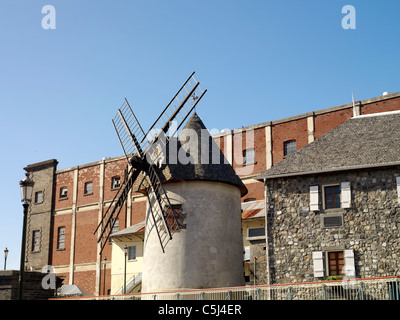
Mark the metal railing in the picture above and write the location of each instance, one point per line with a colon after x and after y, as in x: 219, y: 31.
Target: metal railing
x: 132, y: 282
x: 355, y: 289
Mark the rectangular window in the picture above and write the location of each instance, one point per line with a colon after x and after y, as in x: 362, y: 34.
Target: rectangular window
x: 249, y: 156
x: 332, y: 197
x: 39, y: 197
x: 289, y: 147
x: 116, y: 225
x: 63, y: 192
x: 88, y: 188
x: 61, y: 238
x: 174, y: 217
x: 255, y: 232
x: 115, y: 182
x: 132, y: 253
x: 330, y: 220
x: 35, y: 240
x: 336, y: 263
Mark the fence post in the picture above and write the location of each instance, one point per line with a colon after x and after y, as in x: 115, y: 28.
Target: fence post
x: 177, y: 296
x: 258, y: 294
x: 324, y: 291
x: 397, y: 289
x: 202, y: 295
x: 229, y: 295
x: 362, y: 290
x: 290, y: 293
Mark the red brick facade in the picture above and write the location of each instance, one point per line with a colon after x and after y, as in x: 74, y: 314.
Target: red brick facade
x: 80, y: 212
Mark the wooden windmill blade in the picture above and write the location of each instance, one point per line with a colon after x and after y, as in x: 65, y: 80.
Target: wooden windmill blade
x: 130, y: 133
x: 138, y: 151
x: 177, y: 110
x: 164, y: 218
x: 110, y: 217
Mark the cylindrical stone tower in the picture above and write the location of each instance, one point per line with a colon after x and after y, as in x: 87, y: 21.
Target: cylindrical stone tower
x: 207, y: 252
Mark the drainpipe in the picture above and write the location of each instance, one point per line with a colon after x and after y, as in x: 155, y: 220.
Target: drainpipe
x: 254, y: 258
x: 266, y: 206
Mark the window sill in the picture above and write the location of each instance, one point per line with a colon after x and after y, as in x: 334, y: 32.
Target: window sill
x: 63, y: 198
x: 335, y: 210
x: 60, y: 249
x: 255, y: 238
x: 249, y: 164
x: 88, y: 194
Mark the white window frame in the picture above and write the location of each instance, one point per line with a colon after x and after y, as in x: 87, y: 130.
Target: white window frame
x: 86, y: 191
x: 247, y: 160
x: 37, y: 198
x: 132, y: 248
x: 61, y: 238
x: 114, y: 181
x: 63, y: 192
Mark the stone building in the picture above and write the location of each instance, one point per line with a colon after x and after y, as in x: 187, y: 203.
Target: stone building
x: 69, y: 202
x: 334, y: 206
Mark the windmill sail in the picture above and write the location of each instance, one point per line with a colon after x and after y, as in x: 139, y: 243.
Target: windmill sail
x: 174, y: 115
x: 109, y: 218
x: 165, y: 219
x: 139, y: 148
x: 129, y: 131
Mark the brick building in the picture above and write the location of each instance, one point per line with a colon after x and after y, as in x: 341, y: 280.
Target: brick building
x: 68, y: 204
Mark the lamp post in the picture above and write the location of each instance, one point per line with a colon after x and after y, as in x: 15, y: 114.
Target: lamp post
x: 125, y: 254
x: 5, y: 258
x: 104, y: 275
x: 26, y: 196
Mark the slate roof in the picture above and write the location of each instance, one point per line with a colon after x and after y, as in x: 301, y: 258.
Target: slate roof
x: 361, y: 142
x: 206, y: 160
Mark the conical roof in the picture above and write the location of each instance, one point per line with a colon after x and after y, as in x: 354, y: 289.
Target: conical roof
x: 194, y: 155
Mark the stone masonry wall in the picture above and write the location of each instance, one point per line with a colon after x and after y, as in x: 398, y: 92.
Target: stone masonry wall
x: 370, y: 226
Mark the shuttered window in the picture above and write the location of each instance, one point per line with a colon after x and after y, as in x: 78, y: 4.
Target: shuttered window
x: 36, y: 240
x: 345, y: 195
x: 337, y: 196
x: 332, y: 197
x: 318, y: 261
x: 336, y: 263
x: 61, y: 238
x: 314, y: 198
x: 350, y: 269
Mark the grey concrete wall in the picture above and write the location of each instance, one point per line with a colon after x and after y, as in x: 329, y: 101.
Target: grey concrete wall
x: 209, y: 252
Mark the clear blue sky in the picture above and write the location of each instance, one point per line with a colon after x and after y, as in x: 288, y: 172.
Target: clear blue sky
x: 260, y: 60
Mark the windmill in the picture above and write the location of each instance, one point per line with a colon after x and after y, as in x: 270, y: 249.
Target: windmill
x: 142, y: 151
